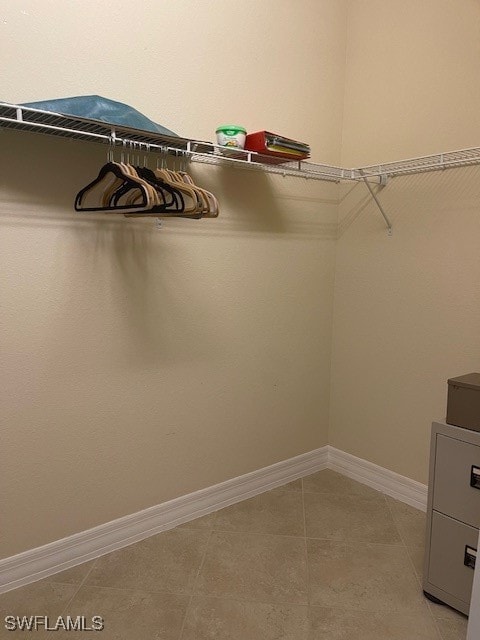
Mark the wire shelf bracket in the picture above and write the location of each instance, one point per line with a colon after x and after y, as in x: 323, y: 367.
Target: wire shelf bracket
x: 383, y: 183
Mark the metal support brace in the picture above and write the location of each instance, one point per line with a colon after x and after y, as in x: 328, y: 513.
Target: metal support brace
x: 377, y: 201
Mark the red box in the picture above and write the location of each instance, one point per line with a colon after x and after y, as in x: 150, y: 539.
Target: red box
x: 260, y: 141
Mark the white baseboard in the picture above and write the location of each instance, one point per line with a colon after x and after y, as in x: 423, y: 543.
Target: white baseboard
x: 393, y: 484
x: 57, y: 556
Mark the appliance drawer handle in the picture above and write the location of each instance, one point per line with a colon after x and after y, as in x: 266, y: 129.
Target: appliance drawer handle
x: 475, y: 477
x: 470, y: 557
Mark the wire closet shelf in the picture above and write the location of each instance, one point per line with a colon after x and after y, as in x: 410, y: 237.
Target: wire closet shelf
x: 35, y: 120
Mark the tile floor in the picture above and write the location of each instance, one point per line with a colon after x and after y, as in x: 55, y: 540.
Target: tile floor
x: 322, y: 558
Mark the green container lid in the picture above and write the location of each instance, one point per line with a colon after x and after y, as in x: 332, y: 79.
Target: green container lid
x: 230, y: 129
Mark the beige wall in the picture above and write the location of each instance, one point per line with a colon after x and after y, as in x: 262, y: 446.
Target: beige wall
x: 407, y: 308
x: 139, y: 365
x: 411, y: 85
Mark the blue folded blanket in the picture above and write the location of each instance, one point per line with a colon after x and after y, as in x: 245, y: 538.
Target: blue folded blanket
x: 98, y: 108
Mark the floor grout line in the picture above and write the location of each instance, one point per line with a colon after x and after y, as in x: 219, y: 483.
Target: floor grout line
x: 252, y: 600
x: 342, y: 607
x: 403, y: 541
x: 346, y: 495
x: 349, y: 542
x: 307, y: 570
x: 390, y: 510
x: 132, y: 589
x: 417, y: 578
x: 202, y: 562
x: 79, y: 587
x: 256, y: 533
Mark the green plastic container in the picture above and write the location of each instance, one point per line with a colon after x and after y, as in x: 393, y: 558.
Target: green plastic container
x: 231, y: 135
